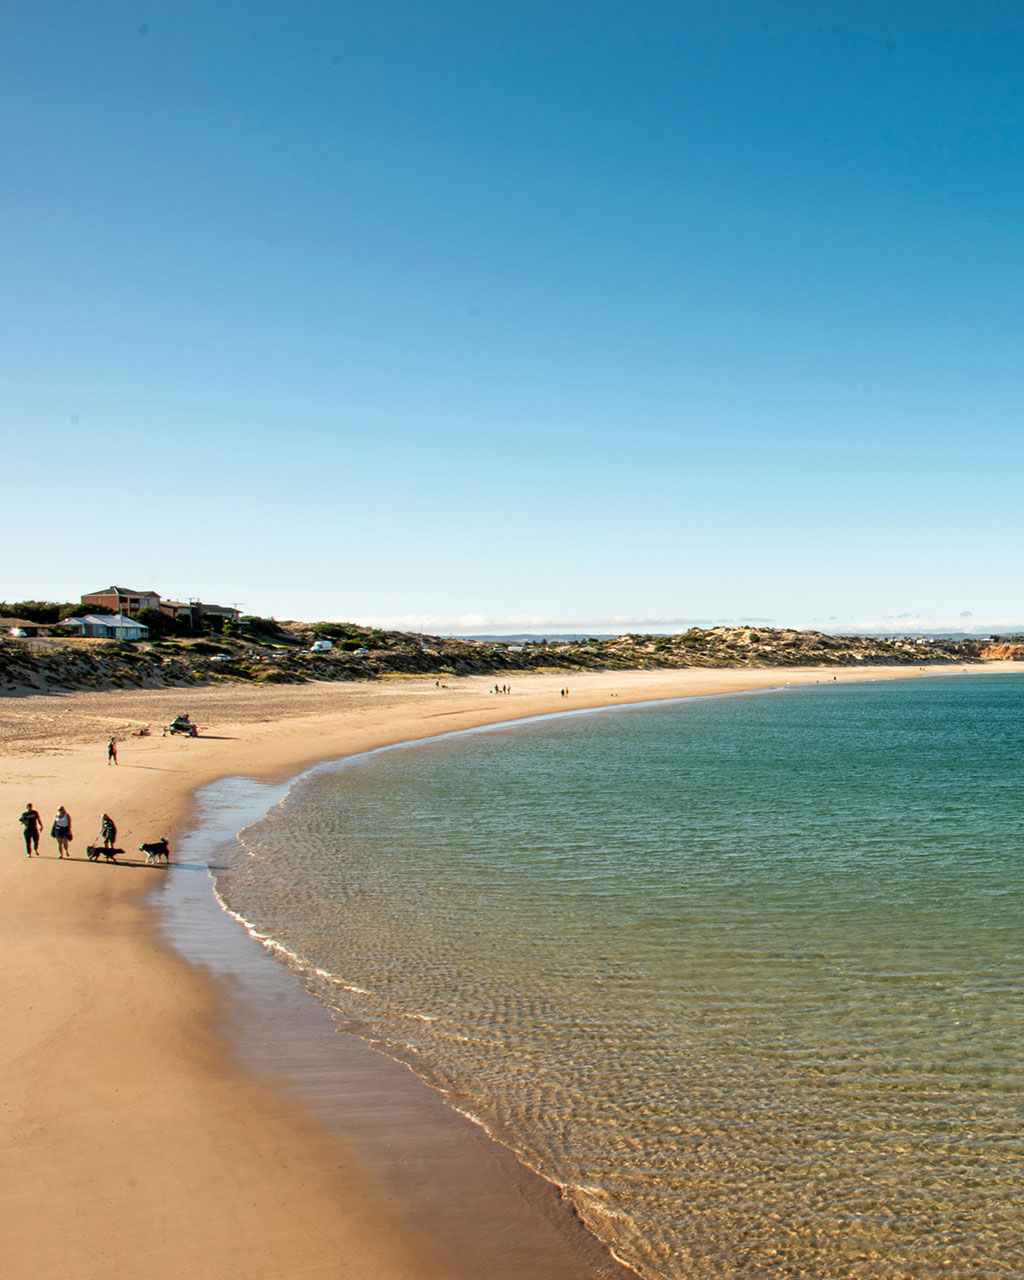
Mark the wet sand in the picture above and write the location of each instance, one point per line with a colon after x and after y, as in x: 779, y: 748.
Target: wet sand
x: 152, y: 1121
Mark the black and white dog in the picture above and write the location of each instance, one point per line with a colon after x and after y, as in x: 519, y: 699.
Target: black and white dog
x: 156, y: 850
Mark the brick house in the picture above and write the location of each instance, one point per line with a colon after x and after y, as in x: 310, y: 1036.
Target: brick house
x: 123, y: 600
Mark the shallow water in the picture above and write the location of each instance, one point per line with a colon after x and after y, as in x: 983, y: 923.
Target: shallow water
x: 742, y: 974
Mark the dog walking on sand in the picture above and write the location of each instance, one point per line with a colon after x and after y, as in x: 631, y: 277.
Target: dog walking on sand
x: 156, y: 851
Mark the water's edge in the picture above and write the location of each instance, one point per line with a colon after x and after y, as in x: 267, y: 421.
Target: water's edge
x: 442, y: 1159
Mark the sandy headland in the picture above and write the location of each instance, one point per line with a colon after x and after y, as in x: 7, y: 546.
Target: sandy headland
x: 138, y: 1139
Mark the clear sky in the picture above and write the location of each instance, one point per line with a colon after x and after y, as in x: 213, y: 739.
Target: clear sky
x: 606, y: 315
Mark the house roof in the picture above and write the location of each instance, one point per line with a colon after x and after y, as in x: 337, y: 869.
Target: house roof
x: 120, y: 591
x: 21, y: 622
x: 107, y: 620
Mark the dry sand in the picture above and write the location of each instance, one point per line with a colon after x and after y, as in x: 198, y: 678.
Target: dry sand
x: 135, y: 1141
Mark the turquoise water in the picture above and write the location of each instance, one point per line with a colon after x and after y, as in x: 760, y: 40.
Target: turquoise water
x: 741, y: 974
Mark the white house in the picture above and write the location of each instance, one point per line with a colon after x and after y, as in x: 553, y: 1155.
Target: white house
x: 107, y: 627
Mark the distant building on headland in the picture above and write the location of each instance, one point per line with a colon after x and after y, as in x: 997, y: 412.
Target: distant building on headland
x: 216, y: 610
x: 122, y: 600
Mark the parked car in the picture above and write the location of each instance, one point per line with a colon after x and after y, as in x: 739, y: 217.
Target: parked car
x: 321, y: 646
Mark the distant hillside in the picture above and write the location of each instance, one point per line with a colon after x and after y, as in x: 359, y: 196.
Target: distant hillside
x: 273, y: 652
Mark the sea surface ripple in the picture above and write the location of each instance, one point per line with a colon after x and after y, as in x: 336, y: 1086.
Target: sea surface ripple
x: 742, y: 975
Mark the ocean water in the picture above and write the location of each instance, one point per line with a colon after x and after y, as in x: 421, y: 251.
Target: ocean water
x: 741, y: 974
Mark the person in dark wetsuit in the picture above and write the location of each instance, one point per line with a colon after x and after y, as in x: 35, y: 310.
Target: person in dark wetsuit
x: 108, y: 831
x: 32, y: 823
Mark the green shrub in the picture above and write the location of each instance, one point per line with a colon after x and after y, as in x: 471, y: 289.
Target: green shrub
x: 162, y: 624
x: 256, y: 626
x: 76, y: 610
x: 41, y: 611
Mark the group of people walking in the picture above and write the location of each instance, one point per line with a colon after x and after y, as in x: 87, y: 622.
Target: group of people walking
x: 60, y: 830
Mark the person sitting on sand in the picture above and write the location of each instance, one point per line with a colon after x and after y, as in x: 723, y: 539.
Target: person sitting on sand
x: 108, y: 831
x: 61, y: 831
x: 33, y: 824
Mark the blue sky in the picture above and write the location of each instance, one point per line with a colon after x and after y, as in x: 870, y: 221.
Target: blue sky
x: 572, y: 316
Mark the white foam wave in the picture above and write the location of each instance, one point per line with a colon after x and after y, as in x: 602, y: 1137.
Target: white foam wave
x: 279, y: 948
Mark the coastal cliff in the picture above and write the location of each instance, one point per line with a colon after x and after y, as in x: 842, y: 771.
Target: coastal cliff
x: 1002, y: 652
x: 280, y: 653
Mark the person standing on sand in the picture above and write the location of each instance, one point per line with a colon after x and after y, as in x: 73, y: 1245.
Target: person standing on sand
x: 112, y: 751
x: 108, y: 831
x: 33, y: 824
x: 61, y: 831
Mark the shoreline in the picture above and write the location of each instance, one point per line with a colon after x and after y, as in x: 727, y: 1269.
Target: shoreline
x: 140, y: 1140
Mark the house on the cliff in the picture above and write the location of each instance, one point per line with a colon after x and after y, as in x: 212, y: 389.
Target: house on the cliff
x: 124, y: 600
x: 22, y: 628
x: 194, y: 611
x: 107, y: 626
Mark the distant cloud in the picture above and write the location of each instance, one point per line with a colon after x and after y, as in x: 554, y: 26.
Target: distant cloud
x: 471, y: 623
x: 538, y: 624
x: 922, y: 624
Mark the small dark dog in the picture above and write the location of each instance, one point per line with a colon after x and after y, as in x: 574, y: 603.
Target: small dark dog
x: 156, y: 850
x: 93, y: 852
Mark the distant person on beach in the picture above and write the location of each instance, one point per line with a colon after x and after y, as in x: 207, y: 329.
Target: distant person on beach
x: 111, y: 752
x: 108, y: 832
x: 33, y: 824
x: 61, y: 831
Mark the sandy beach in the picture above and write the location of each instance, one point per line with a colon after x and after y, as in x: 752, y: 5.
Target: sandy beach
x: 137, y: 1141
